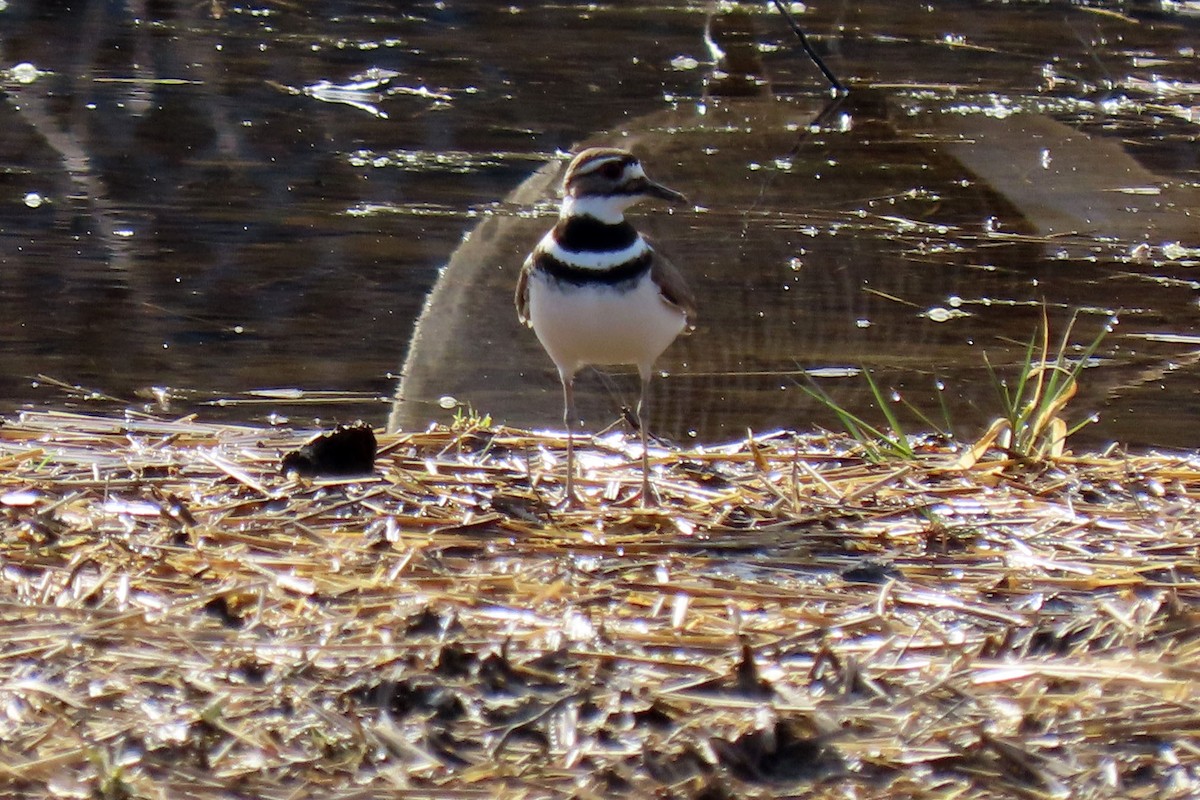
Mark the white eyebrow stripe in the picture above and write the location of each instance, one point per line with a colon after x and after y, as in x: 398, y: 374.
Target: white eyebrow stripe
x: 598, y: 163
x: 592, y: 259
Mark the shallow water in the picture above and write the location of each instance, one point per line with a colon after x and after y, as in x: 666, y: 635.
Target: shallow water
x: 192, y: 210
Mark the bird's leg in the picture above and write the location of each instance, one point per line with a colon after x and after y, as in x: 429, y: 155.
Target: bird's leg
x: 568, y: 384
x: 643, y: 412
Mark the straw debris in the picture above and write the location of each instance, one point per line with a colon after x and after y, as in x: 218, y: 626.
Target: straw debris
x: 178, y: 619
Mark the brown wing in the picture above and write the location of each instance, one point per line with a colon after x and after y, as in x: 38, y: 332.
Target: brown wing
x: 522, y: 294
x: 673, y: 288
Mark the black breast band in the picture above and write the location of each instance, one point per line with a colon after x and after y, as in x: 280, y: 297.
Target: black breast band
x: 582, y: 276
x: 588, y: 234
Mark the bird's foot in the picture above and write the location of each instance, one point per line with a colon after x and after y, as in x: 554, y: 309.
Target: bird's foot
x: 647, y: 497
x: 570, y: 501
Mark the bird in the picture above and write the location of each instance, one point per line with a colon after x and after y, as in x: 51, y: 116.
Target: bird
x: 596, y: 292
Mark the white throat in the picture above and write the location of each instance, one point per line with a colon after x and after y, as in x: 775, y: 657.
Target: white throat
x: 609, y: 210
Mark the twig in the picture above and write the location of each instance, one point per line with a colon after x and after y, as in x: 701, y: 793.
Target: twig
x: 808, y: 48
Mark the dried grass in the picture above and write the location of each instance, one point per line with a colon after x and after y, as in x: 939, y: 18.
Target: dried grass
x: 178, y: 620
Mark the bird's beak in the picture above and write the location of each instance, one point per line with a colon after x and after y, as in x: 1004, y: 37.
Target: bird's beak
x: 652, y: 189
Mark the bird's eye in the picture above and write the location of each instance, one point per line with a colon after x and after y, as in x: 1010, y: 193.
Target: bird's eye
x: 612, y: 170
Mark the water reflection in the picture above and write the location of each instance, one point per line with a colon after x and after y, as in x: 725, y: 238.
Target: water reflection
x: 213, y: 222
x: 908, y: 237
x: 854, y: 246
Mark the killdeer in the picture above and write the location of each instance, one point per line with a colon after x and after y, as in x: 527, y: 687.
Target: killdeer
x: 595, y: 292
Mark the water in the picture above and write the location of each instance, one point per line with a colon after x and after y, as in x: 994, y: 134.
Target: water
x: 201, y: 201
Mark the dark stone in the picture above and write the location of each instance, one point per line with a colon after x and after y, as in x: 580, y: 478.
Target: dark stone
x: 345, y: 451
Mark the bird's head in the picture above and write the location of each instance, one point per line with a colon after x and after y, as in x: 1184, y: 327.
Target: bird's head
x: 603, y: 181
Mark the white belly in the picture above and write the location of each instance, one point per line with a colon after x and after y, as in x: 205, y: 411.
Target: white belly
x: 597, y: 324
